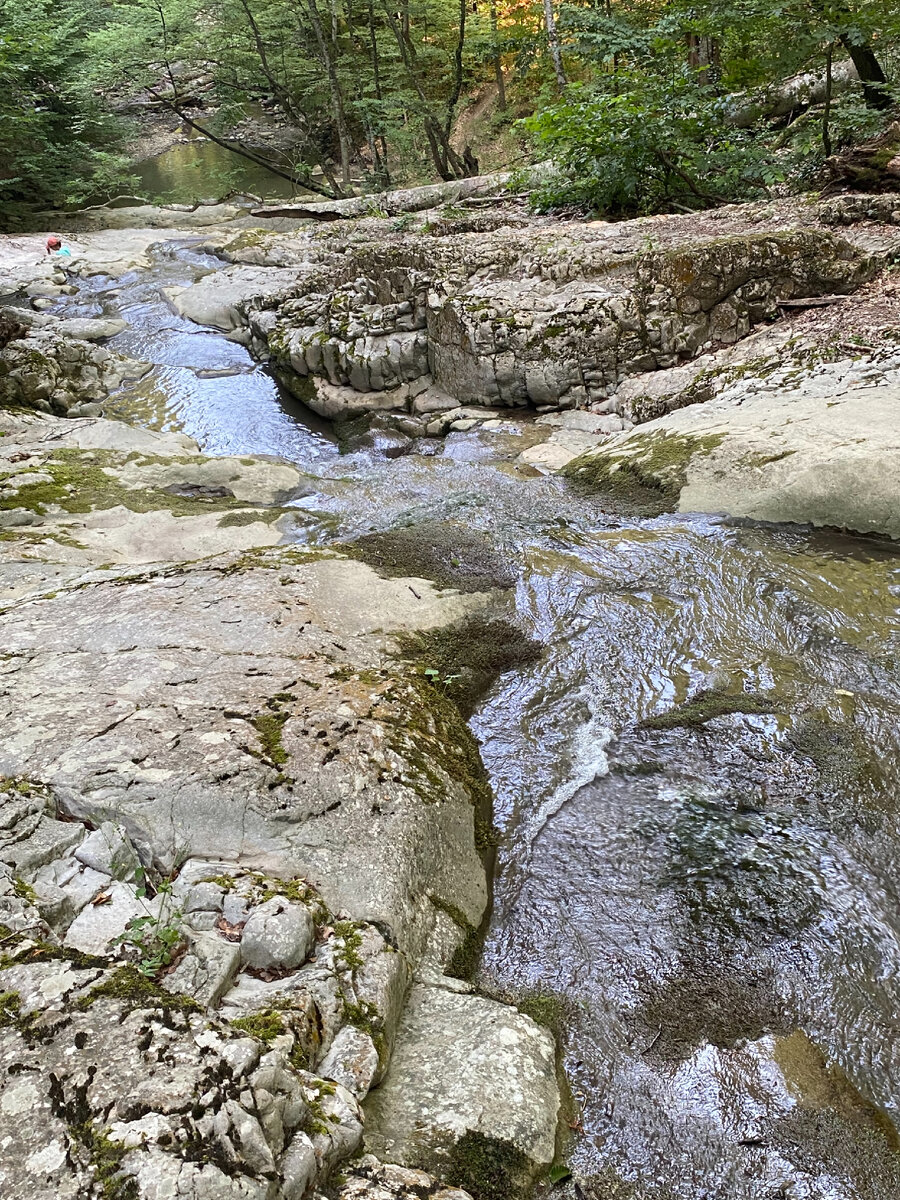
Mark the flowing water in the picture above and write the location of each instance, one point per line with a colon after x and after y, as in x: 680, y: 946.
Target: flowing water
x: 709, y: 908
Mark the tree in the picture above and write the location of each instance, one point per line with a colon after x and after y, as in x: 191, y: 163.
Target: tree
x: 57, y: 141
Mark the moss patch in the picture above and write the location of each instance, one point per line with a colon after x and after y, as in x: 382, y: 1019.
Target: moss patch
x: 253, y: 516
x: 721, y: 1003
x: 105, y: 1158
x: 463, y: 962
x: 842, y: 757
x: 348, y: 953
x: 487, y: 1168
x: 545, y: 1009
x: 265, y: 1025
x: 135, y: 990
x: 463, y: 660
x: 80, y: 484
x: 706, y: 706
x: 269, y: 726
x: 436, y: 744
x: 445, y: 552
x: 37, y: 952
x: 646, y: 475
x: 365, y: 1017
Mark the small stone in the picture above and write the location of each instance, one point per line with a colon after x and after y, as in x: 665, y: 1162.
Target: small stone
x: 204, y: 897
x: 277, y: 934
x: 351, y: 1061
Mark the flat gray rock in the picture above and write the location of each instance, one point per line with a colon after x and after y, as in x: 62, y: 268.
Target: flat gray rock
x: 91, y: 329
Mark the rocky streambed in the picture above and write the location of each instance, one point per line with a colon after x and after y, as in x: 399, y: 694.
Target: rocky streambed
x: 505, y: 825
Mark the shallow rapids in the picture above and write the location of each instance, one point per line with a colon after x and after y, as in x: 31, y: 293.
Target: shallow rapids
x: 706, y: 906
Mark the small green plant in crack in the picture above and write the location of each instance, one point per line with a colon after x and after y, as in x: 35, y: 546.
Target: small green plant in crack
x: 434, y: 676
x: 154, y: 938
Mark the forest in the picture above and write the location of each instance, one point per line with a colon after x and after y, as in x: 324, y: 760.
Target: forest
x: 630, y: 106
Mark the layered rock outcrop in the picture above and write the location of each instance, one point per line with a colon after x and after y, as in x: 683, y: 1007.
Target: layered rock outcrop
x: 58, y: 365
x: 547, y: 315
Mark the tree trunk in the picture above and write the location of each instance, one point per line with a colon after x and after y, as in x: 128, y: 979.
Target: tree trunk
x: 826, y: 113
x: 376, y: 79
x: 498, y: 66
x: 337, y: 96
x: 553, y: 42
x: 871, y: 76
x: 404, y: 200
x: 704, y: 56
x: 447, y: 162
x: 457, y: 68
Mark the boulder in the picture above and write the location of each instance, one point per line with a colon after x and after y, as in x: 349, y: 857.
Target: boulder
x: 466, y: 1067
x: 215, y: 299
x: 90, y: 329
x: 277, y: 935
x: 823, y: 452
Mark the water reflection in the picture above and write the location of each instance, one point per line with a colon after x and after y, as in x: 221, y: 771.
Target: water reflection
x: 717, y: 891
x: 202, y: 170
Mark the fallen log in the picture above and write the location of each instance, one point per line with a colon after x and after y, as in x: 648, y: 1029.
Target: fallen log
x: 390, y: 203
x: 812, y: 302
x: 792, y: 96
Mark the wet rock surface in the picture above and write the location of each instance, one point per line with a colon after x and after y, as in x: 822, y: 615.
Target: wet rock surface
x: 465, y: 1065
x: 694, y: 782
x: 214, y: 899
x: 811, y: 443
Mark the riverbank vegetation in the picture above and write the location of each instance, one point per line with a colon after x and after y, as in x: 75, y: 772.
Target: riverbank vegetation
x: 638, y: 105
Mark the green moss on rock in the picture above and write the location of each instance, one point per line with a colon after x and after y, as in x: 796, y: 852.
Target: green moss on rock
x: 463, y: 962
x: 438, y: 747
x: 487, y: 1168
x: 706, y: 706
x: 445, y: 552
x: 269, y: 726
x: 265, y: 1025
x: 644, y: 474
x: 463, y: 660
x: 81, y: 483
x: 135, y: 990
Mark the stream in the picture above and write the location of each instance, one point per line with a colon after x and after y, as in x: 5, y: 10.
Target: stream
x: 708, y: 908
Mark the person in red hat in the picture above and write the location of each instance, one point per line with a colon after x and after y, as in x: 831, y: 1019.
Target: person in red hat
x: 54, y: 244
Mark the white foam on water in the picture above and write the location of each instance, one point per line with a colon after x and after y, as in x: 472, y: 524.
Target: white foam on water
x: 588, y: 760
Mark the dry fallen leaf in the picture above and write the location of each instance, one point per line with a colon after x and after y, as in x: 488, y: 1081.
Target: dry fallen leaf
x: 231, y: 933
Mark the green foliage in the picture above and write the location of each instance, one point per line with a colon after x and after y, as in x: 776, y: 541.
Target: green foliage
x: 58, y: 142
x: 654, y: 144
x: 650, y: 122
x: 154, y: 938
